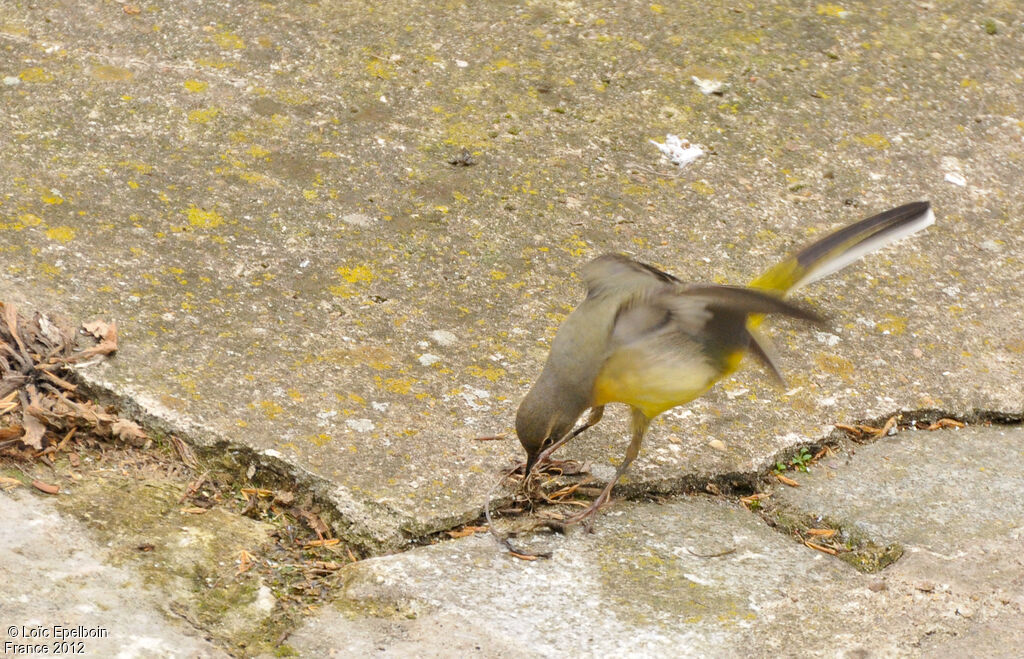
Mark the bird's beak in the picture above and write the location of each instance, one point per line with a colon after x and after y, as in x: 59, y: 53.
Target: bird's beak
x: 531, y: 459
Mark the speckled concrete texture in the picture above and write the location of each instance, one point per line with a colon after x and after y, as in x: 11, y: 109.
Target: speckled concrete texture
x: 264, y: 197
x: 63, y: 597
x: 704, y: 578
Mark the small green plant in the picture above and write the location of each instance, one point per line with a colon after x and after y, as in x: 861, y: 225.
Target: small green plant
x: 802, y: 460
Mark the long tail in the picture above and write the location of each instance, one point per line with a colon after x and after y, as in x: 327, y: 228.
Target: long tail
x: 833, y: 252
x: 837, y: 250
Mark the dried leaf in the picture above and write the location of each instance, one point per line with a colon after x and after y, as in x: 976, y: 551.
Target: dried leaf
x: 195, y: 510
x: 260, y: 492
x: 315, y: 523
x: 946, y: 423
x: 184, y: 452
x: 823, y: 533
x: 821, y: 548
x: 7, y: 483
x: 10, y: 317
x: 466, y: 531
x: 245, y: 561
x: 107, y: 334
x: 49, y: 331
x: 60, y: 382
x: 46, y: 487
x: 97, y: 328
x: 11, y: 433
x: 128, y: 431
x: 34, y: 429
x: 787, y: 481
x: 284, y: 498
x: 329, y: 542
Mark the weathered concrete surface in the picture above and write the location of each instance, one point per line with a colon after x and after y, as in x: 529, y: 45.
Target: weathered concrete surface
x: 57, y: 575
x: 949, y: 498
x: 635, y: 585
x: 260, y: 195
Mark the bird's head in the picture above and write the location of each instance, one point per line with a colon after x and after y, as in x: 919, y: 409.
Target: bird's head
x: 540, y: 422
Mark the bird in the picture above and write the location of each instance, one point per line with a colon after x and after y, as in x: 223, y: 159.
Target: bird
x: 644, y: 338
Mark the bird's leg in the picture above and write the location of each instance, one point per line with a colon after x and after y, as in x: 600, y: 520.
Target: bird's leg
x: 639, y: 425
x: 592, y: 419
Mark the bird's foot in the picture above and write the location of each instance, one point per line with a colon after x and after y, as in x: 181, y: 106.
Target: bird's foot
x: 589, y: 514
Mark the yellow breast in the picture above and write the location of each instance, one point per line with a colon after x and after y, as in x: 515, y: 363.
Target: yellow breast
x: 654, y: 386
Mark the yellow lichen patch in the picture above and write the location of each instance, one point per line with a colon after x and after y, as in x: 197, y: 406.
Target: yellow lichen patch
x: 198, y: 217
x: 657, y: 9
x: 196, y: 86
x: 874, y: 140
x: 395, y: 385
x: 359, y: 273
x: 892, y: 324
x: 36, y: 74
x: 832, y: 10
x: 30, y: 220
x: 270, y: 409
x: 321, y: 439
x: 379, y: 68
x: 834, y: 364
x: 257, y: 151
x: 228, y: 40
x: 52, y: 199
x: 498, y: 275
x: 500, y: 64
x: 203, y: 116
x: 61, y: 234
x: 702, y: 187
x: 211, y: 63
x: 492, y: 373
x: 108, y: 73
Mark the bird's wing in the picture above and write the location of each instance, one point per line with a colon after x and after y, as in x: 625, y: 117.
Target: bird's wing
x: 619, y: 274
x: 670, y: 346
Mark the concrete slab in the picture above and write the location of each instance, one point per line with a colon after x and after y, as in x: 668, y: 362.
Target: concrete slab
x: 948, y: 497
x: 263, y: 196
x: 635, y: 586
x: 638, y: 586
x: 63, y: 594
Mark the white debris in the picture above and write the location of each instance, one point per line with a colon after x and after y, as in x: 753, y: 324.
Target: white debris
x: 472, y: 397
x: 360, y: 425
x: 357, y: 219
x: 428, y: 360
x: 736, y: 393
x: 443, y: 338
x: 828, y: 338
x: 708, y: 86
x: 678, y: 150
x: 956, y: 179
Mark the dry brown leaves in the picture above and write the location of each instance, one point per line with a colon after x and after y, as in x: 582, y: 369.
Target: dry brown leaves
x: 39, y: 405
x: 787, y: 481
x: 861, y: 431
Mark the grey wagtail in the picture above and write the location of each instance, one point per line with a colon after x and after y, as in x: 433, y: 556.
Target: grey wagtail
x: 644, y: 338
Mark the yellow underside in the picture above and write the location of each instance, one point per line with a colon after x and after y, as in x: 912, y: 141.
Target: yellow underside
x: 656, y: 388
